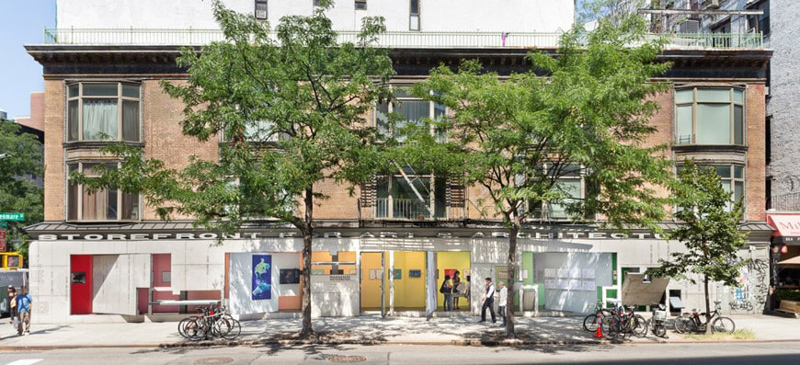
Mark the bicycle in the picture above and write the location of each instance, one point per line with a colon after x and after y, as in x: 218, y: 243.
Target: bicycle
x: 624, y: 322
x: 659, y: 319
x: 213, y: 322
x: 692, y: 322
x: 590, y: 321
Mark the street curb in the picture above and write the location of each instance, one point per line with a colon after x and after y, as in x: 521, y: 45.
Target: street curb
x: 289, y: 343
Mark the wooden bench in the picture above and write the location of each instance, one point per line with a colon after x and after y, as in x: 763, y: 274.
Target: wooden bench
x: 789, y: 307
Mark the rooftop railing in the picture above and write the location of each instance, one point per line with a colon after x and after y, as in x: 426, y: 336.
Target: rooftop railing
x: 407, y: 40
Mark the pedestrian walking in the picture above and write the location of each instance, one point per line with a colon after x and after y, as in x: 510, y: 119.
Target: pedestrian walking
x: 488, y: 301
x: 24, y: 301
x: 12, y: 305
x: 447, y: 290
x: 503, y: 300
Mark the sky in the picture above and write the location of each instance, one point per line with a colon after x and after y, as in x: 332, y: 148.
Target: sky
x: 21, y: 22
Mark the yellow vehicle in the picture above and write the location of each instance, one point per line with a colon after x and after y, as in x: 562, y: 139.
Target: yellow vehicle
x: 10, y: 261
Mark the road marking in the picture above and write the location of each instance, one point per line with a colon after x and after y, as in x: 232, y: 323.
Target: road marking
x: 24, y: 362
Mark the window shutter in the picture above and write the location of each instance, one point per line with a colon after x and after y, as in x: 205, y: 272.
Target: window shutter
x: 456, y: 193
x: 369, y: 193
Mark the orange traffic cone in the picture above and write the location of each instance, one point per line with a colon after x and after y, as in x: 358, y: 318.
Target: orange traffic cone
x: 599, y: 332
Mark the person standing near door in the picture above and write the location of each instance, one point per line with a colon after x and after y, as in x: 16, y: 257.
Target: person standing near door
x: 24, y: 301
x: 488, y: 301
x: 456, y: 285
x: 447, y: 290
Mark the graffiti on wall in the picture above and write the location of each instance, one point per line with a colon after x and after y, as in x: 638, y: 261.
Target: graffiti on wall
x: 752, y: 290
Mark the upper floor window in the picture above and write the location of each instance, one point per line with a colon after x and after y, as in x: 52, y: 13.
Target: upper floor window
x: 103, y: 111
x: 261, y: 9
x: 361, y: 4
x: 261, y: 131
x: 732, y: 180
x: 571, y: 184
x: 409, y: 109
x: 101, y: 205
x: 413, y: 20
x: 411, y: 196
x: 709, y: 116
x: 759, y: 23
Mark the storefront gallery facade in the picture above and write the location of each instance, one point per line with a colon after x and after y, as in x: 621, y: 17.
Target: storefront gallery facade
x: 378, y: 250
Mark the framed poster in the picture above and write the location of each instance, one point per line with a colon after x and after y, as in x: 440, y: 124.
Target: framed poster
x: 289, y: 276
x: 414, y: 273
x: 262, y: 277
x: 374, y: 274
x: 398, y: 274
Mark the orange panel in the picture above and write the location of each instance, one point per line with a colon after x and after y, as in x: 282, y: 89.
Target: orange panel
x: 289, y: 303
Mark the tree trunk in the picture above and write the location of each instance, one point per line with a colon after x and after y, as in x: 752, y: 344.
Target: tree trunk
x: 308, y: 231
x: 512, y: 264
x: 708, y: 307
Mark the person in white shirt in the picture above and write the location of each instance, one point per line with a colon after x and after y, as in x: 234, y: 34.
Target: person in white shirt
x: 503, y: 300
x: 488, y: 301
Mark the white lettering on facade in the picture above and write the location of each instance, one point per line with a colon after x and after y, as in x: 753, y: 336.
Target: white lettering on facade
x: 619, y: 235
x: 640, y: 236
x: 234, y: 236
x: 158, y: 236
x: 139, y: 236
x: 93, y: 237
x: 48, y: 237
x: 112, y: 237
x: 70, y: 237
x: 208, y: 236
x: 597, y: 235
x: 253, y: 235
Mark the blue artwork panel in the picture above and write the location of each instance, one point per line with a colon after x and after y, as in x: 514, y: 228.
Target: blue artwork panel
x: 262, y: 277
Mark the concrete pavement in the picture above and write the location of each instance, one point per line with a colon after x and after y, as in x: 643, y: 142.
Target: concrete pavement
x: 371, y: 329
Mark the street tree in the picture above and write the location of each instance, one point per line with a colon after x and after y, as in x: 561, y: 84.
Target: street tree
x: 518, y: 138
x: 21, y: 156
x: 710, y: 230
x: 291, y: 105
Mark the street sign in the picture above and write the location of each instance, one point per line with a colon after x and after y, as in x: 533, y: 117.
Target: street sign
x: 12, y: 216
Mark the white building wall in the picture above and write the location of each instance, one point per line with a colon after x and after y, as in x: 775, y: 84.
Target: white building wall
x: 435, y: 15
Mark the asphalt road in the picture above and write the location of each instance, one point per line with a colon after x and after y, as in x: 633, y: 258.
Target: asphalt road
x: 726, y: 353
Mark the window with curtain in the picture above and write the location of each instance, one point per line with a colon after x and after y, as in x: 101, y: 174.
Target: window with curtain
x: 103, y: 112
x: 100, y: 205
x: 709, y: 116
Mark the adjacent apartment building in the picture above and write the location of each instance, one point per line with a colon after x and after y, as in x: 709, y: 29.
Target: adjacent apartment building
x: 108, y: 254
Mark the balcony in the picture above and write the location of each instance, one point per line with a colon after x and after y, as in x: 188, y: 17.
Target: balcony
x: 410, y: 209
x: 399, y: 40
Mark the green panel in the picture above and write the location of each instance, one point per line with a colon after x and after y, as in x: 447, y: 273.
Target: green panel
x: 599, y: 293
x: 527, y: 264
x: 614, y: 269
x: 611, y: 293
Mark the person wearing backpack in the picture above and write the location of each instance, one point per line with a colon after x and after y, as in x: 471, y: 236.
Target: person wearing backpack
x: 447, y: 290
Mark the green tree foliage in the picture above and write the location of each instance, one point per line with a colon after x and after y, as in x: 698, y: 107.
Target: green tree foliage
x: 710, y: 230
x: 292, y: 109
x: 18, y: 194
x: 517, y: 137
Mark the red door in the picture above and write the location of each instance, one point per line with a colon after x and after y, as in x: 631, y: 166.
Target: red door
x: 81, y: 284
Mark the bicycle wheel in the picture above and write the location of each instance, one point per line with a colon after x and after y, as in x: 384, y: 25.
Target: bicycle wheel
x: 182, y: 325
x: 196, y: 329
x: 660, y: 330
x: 723, y: 324
x: 590, y: 323
x: 233, y: 328
x: 680, y: 325
x: 611, y: 328
x: 639, y: 326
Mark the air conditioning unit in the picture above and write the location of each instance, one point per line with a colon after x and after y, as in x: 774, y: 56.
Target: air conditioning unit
x: 710, y: 4
x: 689, y: 26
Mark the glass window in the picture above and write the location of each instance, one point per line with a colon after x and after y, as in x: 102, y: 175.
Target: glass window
x: 709, y: 116
x: 408, y: 109
x: 570, y: 183
x: 361, y: 4
x: 759, y: 23
x: 410, y: 197
x: 100, y: 205
x: 103, y: 112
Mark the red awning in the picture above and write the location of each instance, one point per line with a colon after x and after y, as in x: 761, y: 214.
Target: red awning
x: 786, y: 226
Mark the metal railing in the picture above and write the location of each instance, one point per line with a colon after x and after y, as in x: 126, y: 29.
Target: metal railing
x: 397, y: 208
x: 433, y: 40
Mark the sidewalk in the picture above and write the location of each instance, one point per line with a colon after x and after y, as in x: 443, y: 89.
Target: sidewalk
x: 362, y: 330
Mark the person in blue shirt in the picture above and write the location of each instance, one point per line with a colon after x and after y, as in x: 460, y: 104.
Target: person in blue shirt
x: 24, y: 301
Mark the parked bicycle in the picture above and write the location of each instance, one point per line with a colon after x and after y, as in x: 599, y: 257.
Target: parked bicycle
x: 695, y: 321
x: 590, y: 321
x: 624, y: 322
x: 659, y: 319
x: 212, y: 322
